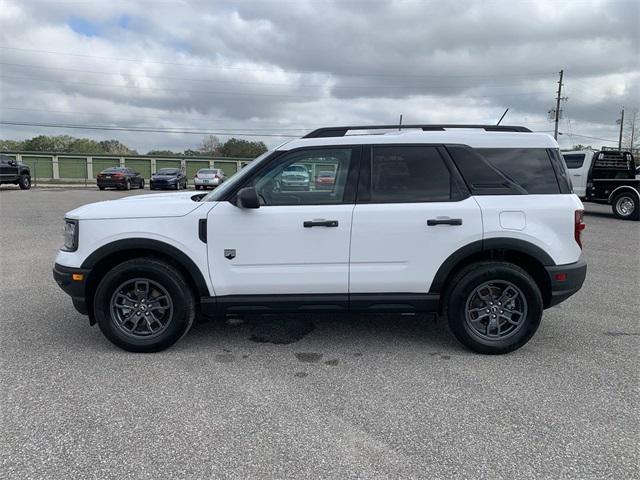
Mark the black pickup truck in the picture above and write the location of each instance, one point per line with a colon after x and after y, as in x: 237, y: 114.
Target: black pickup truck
x: 606, y: 176
x: 14, y: 172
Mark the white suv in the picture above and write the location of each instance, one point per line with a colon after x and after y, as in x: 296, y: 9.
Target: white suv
x: 477, y: 223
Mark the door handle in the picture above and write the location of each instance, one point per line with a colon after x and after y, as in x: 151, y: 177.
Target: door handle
x: 444, y: 221
x: 320, y: 223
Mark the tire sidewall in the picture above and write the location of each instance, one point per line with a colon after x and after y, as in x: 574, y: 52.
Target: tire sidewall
x: 474, y: 277
x: 635, y: 213
x: 180, y: 294
x: 24, y: 182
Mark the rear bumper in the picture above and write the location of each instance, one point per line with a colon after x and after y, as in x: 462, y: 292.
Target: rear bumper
x: 112, y: 183
x: 76, y: 289
x: 566, y: 280
x: 209, y: 182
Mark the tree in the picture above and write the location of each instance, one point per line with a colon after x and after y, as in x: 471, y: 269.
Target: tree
x: 165, y: 153
x: 631, y: 135
x: 580, y: 146
x: 114, y: 146
x: 210, y: 145
x: 235, y: 147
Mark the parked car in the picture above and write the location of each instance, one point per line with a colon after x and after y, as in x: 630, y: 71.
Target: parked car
x: 121, y: 178
x: 172, y: 178
x: 608, y: 177
x: 295, y: 177
x: 325, y: 180
x: 208, y: 178
x: 13, y: 172
x: 479, y: 224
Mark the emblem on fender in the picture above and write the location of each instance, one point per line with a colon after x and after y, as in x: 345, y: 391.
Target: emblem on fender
x: 229, y: 253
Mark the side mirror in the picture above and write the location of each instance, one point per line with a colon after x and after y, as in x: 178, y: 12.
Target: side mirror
x: 13, y: 163
x: 247, y: 198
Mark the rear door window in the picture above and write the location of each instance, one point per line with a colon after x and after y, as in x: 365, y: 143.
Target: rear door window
x: 410, y: 174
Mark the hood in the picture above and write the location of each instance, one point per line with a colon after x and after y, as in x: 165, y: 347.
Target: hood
x: 138, y: 206
x: 163, y: 177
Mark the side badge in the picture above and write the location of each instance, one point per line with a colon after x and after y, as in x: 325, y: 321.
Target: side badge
x: 229, y: 253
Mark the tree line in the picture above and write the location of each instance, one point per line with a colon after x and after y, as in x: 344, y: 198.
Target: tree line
x: 210, y: 146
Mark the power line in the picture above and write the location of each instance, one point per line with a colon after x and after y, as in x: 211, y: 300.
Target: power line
x: 210, y: 81
x: 143, y: 129
x: 211, y: 92
x: 200, y: 65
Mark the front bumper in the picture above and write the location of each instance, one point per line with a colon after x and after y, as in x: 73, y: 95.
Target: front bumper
x: 75, y: 288
x: 162, y: 184
x: 566, y: 280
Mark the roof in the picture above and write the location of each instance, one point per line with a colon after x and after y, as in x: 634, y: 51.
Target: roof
x: 472, y: 137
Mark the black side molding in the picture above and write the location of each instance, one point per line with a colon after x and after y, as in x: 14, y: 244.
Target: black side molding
x: 202, y: 230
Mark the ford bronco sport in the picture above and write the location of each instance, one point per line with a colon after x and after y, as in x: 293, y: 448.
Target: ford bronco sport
x: 477, y: 223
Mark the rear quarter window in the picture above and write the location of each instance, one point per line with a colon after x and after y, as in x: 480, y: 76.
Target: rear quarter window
x: 530, y: 168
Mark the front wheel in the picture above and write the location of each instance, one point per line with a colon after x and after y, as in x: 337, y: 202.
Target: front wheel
x: 626, y: 206
x: 494, y: 307
x: 24, y: 182
x: 144, y: 305
x: 142, y: 184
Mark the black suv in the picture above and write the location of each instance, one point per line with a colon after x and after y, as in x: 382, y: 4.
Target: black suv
x: 14, y: 172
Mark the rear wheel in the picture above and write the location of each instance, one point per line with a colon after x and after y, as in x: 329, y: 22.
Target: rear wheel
x: 24, y: 182
x: 142, y: 184
x: 144, y: 305
x: 197, y: 187
x: 127, y: 185
x: 100, y: 187
x: 494, y: 307
x: 626, y: 206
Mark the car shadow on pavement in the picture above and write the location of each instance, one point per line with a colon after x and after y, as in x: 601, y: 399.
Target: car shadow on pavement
x: 348, y: 332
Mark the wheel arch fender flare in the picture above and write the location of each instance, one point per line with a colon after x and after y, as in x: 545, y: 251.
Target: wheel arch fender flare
x: 475, y: 250
x: 621, y: 189
x: 151, y: 246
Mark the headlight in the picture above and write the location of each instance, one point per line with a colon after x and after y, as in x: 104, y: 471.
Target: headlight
x: 70, y: 235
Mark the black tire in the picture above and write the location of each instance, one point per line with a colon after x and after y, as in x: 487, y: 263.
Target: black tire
x: 197, y: 187
x: 127, y: 185
x: 142, y: 184
x: 154, y: 271
x: 101, y: 188
x: 463, y: 287
x: 24, y: 182
x: 626, y: 206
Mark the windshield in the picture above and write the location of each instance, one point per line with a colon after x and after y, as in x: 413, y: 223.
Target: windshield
x: 167, y: 171
x: 221, y: 191
x: 113, y: 169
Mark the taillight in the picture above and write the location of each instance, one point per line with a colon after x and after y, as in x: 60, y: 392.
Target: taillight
x: 216, y: 177
x: 578, y: 226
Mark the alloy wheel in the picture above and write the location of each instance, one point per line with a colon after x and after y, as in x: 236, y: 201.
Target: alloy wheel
x: 496, y: 310
x: 141, y: 308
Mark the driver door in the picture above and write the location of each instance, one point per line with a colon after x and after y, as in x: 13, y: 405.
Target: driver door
x: 297, y: 242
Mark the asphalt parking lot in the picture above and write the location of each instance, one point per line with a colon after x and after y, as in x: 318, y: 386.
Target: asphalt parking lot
x: 356, y: 397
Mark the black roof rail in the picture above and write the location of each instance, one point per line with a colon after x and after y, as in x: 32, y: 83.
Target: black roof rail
x: 342, y: 131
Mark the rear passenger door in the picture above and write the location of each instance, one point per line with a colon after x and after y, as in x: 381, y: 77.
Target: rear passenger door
x: 412, y: 212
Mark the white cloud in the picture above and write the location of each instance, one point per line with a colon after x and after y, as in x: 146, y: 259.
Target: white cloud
x: 294, y: 65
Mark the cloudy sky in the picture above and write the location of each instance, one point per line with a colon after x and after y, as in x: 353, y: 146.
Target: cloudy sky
x: 278, y: 68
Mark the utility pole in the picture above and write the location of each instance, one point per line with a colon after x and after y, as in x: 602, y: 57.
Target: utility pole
x: 621, y: 127
x: 633, y: 130
x: 555, y: 130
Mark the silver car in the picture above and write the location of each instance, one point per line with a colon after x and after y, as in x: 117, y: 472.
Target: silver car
x: 208, y: 178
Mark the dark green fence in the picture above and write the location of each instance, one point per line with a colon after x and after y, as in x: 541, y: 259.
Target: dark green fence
x: 82, y: 169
